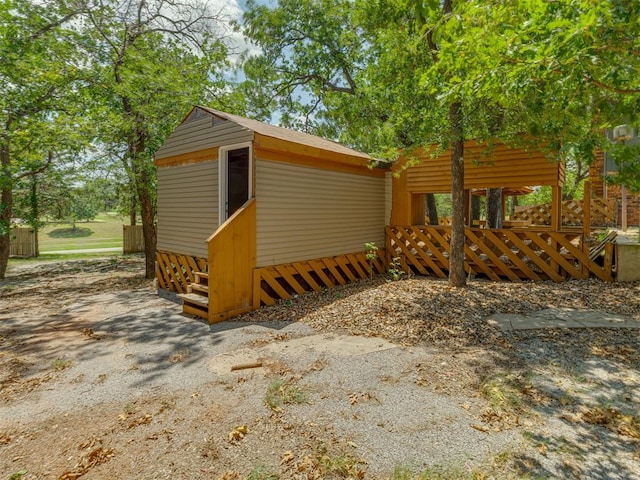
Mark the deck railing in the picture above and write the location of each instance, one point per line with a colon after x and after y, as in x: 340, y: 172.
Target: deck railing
x: 603, y: 212
x: 232, y: 258
x: 513, y: 254
x: 174, y: 271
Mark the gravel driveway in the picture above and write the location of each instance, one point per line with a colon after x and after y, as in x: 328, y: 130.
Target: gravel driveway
x: 100, y: 378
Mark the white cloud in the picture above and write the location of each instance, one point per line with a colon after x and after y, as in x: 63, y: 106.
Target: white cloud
x: 231, y: 11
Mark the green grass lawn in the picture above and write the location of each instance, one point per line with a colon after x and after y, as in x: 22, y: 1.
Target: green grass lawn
x: 103, y: 232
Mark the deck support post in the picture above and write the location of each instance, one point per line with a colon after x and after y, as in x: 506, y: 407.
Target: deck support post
x: 586, y: 221
x: 556, y: 209
x: 556, y: 220
x: 467, y: 207
x: 418, y: 208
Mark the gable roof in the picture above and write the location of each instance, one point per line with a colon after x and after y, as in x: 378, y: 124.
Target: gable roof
x: 286, y: 134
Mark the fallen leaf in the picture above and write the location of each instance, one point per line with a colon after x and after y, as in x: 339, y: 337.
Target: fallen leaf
x: 237, y: 434
x: 287, y: 457
x: 480, y: 428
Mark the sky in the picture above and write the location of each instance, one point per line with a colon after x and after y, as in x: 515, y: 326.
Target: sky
x: 234, y: 9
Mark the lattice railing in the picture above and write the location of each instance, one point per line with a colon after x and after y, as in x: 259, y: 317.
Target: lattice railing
x: 175, y: 271
x: 281, y: 282
x: 603, y: 212
x: 441, y: 221
x: 499, y: 254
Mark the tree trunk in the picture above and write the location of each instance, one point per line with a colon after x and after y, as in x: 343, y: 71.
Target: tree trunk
x: 475, y: 209
x: 141, y: 169
x: 148, y: 226
x: 35, y: 211
x: 432, y: 209
x: 6, y: 208
x: 133, y: 208
x: 494, y: 207
x: 457, y: 277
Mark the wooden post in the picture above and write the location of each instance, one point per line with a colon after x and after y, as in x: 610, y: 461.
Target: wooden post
x: 623, y: 193
x: 586, y: 221
x: 467, y: 207
x: 556, y: 220
x: 401, y: 200
x: 418, y: 208
x: 586, y: 209
x: 556, y: 209
x: 609, y: 254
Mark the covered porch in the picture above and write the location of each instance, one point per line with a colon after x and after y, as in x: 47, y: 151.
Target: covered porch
x: 524, y: 249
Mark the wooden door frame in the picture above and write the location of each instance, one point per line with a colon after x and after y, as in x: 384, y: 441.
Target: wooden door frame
x: 223, y: 170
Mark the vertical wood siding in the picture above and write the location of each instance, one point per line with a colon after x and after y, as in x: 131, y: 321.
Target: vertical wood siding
x: 187, y: 207
x: 305, y: 213
x: 201, y: 134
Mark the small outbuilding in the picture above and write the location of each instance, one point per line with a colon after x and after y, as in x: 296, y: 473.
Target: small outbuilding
x: 249, y: 212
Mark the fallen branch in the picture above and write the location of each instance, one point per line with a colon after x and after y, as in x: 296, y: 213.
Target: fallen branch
x: 244, y: 366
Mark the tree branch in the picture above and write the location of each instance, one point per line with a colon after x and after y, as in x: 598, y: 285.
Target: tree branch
x: 31, y: 173
x: 604, y: 86
x: 54, y: 24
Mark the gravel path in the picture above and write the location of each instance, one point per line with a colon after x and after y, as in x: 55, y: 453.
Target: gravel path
x: 100, y: 378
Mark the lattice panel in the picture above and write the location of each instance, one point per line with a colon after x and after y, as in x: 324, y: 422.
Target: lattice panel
x: 281, y: 282
x: 174, y: 271
x: 498, y: 254
x: 602, y: 212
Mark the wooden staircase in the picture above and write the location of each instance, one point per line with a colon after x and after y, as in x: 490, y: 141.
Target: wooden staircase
x: 196, y: 300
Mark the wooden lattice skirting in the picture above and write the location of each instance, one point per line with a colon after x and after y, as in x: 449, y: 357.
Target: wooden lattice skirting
x: 280, y: 282
x: 499, y: 254
x: 175, y: 271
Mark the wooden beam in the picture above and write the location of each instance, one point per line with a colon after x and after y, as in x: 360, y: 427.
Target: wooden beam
x: 291, y: 152
x: 198, y: 156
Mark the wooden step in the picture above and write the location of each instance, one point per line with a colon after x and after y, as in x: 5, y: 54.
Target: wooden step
x: 198, y: 288
x: 201, y: 278
x: 198, y: 312
x: 195, y: 300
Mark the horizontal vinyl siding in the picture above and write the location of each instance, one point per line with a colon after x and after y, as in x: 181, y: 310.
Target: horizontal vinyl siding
x: 187, y: 207
x: 305, y: 213
x: 201, y: 134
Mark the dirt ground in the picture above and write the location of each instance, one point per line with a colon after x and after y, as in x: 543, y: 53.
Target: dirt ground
x: 100, y: 378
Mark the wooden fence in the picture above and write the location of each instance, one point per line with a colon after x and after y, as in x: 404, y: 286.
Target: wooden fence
x: 23, y: 242
x: 513, y: 254
x: 603, y: 212
x: 133, y: 239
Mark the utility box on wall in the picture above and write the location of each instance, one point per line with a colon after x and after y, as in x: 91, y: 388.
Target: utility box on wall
x: 628, y: 260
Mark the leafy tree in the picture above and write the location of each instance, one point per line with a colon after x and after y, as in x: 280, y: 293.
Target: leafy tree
x: 155, y: 59
x: 536, y: 74
x: 41, y: 83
